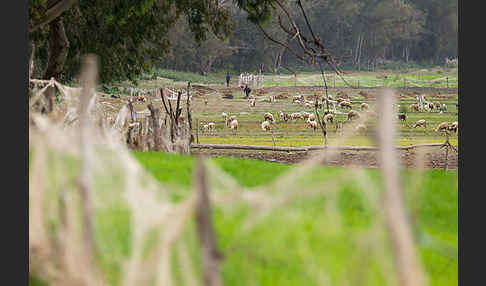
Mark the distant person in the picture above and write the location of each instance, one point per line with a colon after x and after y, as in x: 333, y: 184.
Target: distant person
x: 227, y: 79
x: 247, y: 91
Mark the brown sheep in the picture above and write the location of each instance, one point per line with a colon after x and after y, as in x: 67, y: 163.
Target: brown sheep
x: 364, y: 106
x: 328, y: 118
x: 353, y: 114
x: 442, y: 126
x: 421, y: 122
x: 297, y: 98
x: 284, y: 115
x: 345, y: 104
x: 295, y: 115
x: 414, y: 107
x: 268, y: 117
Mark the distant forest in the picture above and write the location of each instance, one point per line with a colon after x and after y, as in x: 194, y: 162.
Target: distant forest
x: 132, y: 37
x: 359, y: 34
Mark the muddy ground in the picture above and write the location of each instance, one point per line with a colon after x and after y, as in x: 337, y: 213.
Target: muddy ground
x: 434, y: 158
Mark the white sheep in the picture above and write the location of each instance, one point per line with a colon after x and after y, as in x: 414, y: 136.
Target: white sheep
x: 266, y: 125
x: 234, y: 124
x: 420, y: 122
x: 328, y: 118
x: 312, y: 124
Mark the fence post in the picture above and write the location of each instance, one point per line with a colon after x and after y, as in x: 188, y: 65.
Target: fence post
x: 210, y: 255
x: 197, y: 130
x: 447, y: 81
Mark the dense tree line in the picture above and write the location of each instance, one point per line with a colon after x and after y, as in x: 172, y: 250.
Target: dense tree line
x: 359, y: 33
x: 202, y: 35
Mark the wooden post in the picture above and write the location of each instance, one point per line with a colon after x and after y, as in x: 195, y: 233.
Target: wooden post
x: 446, y: 166
x: 155, y: 116
x: 401, y: 236
x: 88, y: 78
x: 322, y: 124
x: 273, y: 138
x: 189, y: 115
x: 197, y: 131
x: 447, y: 81
x: 210, y: 256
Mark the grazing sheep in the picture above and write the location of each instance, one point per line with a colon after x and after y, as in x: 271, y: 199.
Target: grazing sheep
x: 431, y: 106
x: 437, y: 105
x: 234, y: 124
x: 442, y: 126
x: 454, y: 126
x: 268, y: 117
x: 402, y: 117
x: 295, y: 115
x: 312, y: 117
x: 205, y: 127
x: 414, y: 107
x: 328, y: 118
x: 284, y: 115
x: 364, y: 106
x: 305, y: 115
x: 339, y: 100
x: 266, y: 125
x: 297, y: 98
x: 353, y: 114
x: 308, y: 104
x: 312, y: 124
x: 421, y: 122
x: 225, y: 116
x: 345, y: 104
x: 212, y: 126
x: 252, y: 103
x: 230, y: 119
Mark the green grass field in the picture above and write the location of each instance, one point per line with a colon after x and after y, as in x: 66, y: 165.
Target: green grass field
x: 299, y: 241
x: 282, y: 248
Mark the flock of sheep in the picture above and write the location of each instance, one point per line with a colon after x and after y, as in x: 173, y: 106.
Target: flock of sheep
x: 342, y: 103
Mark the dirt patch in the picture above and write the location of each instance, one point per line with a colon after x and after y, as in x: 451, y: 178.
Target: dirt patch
x: 434, y: 159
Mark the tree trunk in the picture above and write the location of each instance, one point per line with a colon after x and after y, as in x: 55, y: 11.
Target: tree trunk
x: 58, y: 49
x: 31, y: 60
